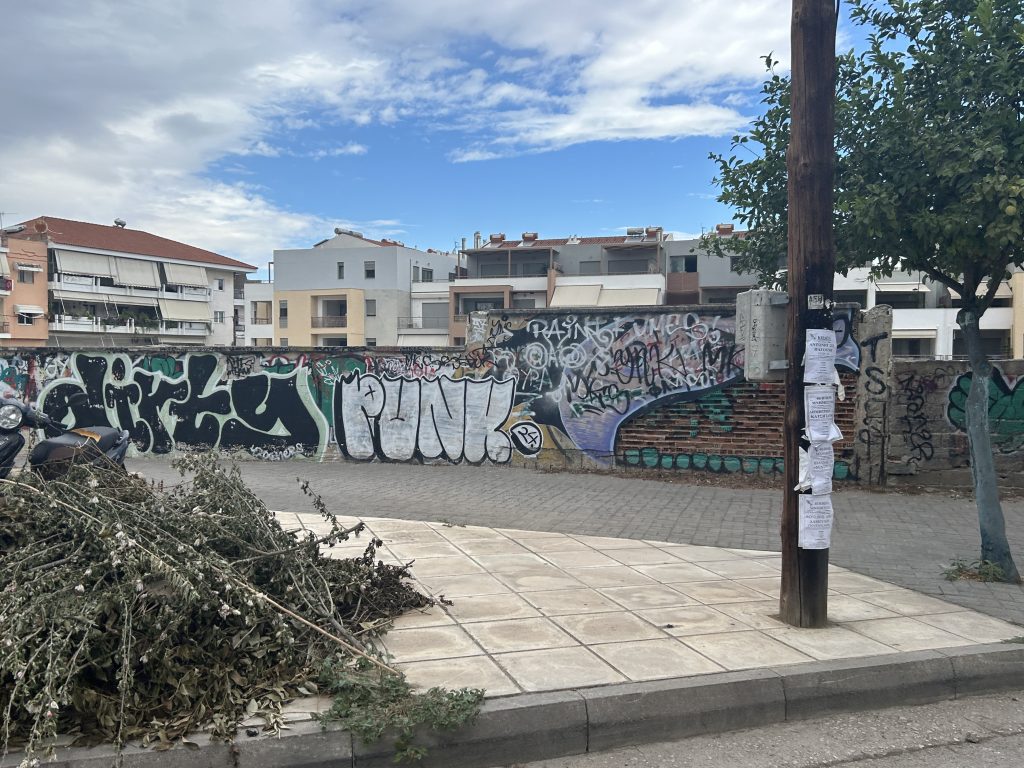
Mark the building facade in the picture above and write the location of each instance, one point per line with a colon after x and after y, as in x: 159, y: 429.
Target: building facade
x: 349, y: 290
x: 258, y: 313
x: 110, y: 286
x: 23, y: 293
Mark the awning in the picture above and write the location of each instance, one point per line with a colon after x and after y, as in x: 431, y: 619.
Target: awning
x: 95, y: 264
x: 914, y: 333
x: 1002, y: 292
x: 5, y: 268
x: 92, y: 298
x: 29, y: 310
x: 575, y: 296
x: 628, y: 297
x: 136, y: 273
x: 900, y: 287
x: 186, y: 274
x: 133, y: 301
x: 29, y: 267
x: 186, y: 311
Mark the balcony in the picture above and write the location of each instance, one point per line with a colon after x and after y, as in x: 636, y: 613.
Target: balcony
x: 328, y: 321
x: 71, y: 323
x: 260, y: 321
x: 82, y: 284
x: 517, y: 284
x: 239, y: 293
x: 423, y: 323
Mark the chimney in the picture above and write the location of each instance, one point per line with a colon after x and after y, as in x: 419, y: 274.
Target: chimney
x: 723, y: 230
x: 529, y: 237
x: 476, y: 240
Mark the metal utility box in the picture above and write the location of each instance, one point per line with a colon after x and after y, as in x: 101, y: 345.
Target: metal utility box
x: 761, y: 332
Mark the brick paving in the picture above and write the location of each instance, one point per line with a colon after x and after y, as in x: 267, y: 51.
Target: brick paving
x: 905, y: 539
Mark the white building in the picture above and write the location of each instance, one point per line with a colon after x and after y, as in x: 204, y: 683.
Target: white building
x: 111, y: 286
x: 258, y: 314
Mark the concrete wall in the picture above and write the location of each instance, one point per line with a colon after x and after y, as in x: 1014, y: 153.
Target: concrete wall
x: 622, y: 388
x: 927, y: 440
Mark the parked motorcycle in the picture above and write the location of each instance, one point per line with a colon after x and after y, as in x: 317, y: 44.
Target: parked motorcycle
x: 54, y: 455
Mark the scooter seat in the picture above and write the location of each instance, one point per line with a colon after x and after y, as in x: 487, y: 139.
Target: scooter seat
x: 90, y: 443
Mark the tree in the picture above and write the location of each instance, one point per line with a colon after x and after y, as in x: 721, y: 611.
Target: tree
x: 929, y: 176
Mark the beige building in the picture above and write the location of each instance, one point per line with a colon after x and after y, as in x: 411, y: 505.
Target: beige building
x: 330, y: 317
x: 23, y: 294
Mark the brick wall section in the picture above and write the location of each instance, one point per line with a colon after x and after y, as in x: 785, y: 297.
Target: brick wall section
x: 742, y: 422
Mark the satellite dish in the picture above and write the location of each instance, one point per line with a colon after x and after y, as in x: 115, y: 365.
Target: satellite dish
x: 40, y: 227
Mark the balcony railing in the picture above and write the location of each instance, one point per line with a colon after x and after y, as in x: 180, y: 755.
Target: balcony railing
x: 114, y: 325
x: 260, y: 321
x: 329, y: 321
x: 239, y: 293
x: 423, y: 322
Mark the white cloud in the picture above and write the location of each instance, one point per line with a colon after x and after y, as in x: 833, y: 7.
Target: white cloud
x: 128, y: 109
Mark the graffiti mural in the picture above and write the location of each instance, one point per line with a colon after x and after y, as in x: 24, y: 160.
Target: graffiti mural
x: 1005, y: 409
x: 546, y: 386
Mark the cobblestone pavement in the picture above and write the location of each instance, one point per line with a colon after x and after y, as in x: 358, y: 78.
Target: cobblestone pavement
x: 903, y: 538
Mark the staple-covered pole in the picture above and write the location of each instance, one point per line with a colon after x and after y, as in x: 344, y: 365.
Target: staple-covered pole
x: 811, y: 266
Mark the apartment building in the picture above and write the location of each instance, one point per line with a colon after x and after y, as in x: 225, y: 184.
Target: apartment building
x: 112, y: 286
x: 258, y: 313
x: 23, y: 297
x: 350, y: 290
x: 924, y: 313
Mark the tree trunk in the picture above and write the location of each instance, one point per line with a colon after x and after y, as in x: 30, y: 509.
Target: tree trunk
x: 994, y: 546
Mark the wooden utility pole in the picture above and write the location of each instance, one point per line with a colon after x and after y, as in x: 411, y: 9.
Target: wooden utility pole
x: 811, y: 266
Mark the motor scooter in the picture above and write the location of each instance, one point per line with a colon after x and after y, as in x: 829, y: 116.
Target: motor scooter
x: 54, y: 455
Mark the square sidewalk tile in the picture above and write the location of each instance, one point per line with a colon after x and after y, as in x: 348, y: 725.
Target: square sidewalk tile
x: 973, y: 626
x: 454, y: 565
x: 588, y: 558
x: 907, y: 603
x: 853, y: 583
x: 740, y: 569
x: 538, y: 579
x: 606, y: 543
x: 434, y: 616
x: 591, y: 628
x: 460, y: 586
x: 430, y: 643
x: 646, y: 556
x: 481, y: 547
x: 509, y: 562
x: 518, y: 635
x: 647, y: 596
x: 560, y: 602
x: 467, y: 672
x: 693, y: 620
x: 829, y: 642
x: 674, y: 573
x: 906, y: 634
x: 557, y: 669
x: 744, y: 650
x: 655, y: 659
x: 714, y: 592
x: 611, y: 576
x: 506, y: 605
x: 844, y: 608
x: 759, y: 614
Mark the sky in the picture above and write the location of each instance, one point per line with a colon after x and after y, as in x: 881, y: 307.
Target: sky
x: 242, y: 126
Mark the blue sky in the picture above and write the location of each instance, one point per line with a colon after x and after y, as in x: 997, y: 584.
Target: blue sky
x: 243, y: 127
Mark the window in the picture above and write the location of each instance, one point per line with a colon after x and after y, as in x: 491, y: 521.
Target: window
x: 341, y: 270
x: 371, y: 342
x: 459, y: 341
x: 524, y: 303
x: 218, y: 316
x: 220, y: 283
x: 26, y: 276
x: 369, y: 269
x: 415, y: 274
x: 282, y: 314
x: 25, y: 319
x: 428, y: 275
x: 590, y: 267
x: 690, y: 264
x: 856, y: 297
x: 913, y: 347
x: 284, y: 341
x: 371, y: 307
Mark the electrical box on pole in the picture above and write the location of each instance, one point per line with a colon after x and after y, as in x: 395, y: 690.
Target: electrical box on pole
x: 761, y: 327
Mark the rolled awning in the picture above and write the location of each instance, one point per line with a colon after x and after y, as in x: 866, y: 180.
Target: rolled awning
x: 576, y: 296
x: 29, y: 267
x: 136, y: 273
x: 914, y: 333
x: 95, y: 264
x: 29, y: 310
x: 628, y: 297
x: 186, y: 274
x: 1002, y: 292
x: 5, y: 268
x: 186, y: 311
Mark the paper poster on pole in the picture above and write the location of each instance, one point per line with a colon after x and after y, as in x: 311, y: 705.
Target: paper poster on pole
x: 816, y: 467
x: 815, y: 522
x: 819, y: 415
x: 820, y: 357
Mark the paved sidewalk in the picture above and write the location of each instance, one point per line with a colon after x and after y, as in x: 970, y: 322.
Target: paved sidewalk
x: 537, y: 611
x: 904, y: 539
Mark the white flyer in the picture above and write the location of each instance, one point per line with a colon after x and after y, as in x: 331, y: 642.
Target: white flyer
x: 816, y: 467
x: 820, y: 357
x: 819, y: 414
x: 815, y: 522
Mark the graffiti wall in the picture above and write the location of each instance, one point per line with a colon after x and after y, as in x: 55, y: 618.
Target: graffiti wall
x: 928, y: 426
x: 662, y: 388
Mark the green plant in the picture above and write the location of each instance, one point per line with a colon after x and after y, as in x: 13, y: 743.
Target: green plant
x: 977, y: 570
x: 370, y: 704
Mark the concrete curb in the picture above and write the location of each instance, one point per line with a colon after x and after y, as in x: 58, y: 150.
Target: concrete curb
x: 527, y: 727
